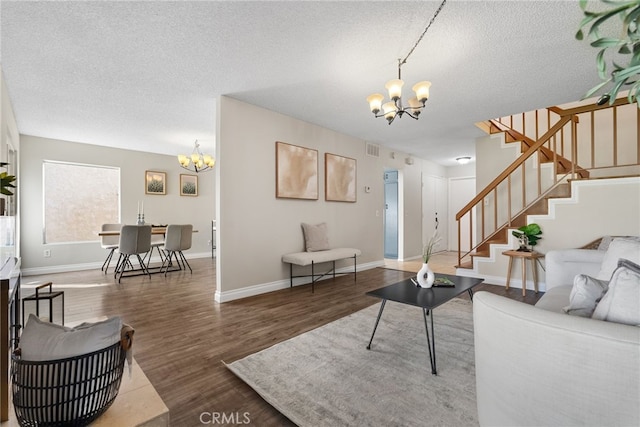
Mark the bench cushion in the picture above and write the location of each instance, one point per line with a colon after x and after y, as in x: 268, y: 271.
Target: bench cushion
x: 305, y: 258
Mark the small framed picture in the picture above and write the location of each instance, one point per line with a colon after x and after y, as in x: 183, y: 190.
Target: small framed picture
x: 155, y: 182
x: 188, y: 185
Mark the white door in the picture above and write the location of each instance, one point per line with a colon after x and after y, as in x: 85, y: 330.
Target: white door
x: 435, y: 211
x: 461, y: 192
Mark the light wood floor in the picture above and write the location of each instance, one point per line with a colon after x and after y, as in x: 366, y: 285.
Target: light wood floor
x: 182, y: 336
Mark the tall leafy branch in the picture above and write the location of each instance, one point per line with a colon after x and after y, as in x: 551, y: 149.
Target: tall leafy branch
x: 618, y: 61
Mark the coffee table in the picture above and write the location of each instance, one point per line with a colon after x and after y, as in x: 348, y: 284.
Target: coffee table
x: 406, y: 292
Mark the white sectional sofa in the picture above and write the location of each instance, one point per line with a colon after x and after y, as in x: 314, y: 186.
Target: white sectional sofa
x: 539, y: 366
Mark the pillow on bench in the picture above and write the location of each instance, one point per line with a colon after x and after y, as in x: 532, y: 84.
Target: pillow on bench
x: 315, y: 237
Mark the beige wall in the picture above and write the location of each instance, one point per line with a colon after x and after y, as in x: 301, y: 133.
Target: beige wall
x: 159, y: 209
x: 255, y: 228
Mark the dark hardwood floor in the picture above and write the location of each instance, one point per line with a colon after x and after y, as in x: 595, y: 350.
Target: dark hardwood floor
x: 183, y: 336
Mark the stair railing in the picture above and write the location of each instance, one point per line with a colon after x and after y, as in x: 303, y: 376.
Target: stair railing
x: 517, y: 191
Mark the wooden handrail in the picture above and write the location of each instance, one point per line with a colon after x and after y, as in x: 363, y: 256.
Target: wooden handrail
x: 513, y: 166
x: 587, y: 108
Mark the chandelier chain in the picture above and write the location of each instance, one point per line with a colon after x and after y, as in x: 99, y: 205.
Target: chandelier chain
x: 423, y: 33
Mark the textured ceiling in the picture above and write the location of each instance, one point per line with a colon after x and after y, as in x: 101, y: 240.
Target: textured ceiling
x: 145, y: 75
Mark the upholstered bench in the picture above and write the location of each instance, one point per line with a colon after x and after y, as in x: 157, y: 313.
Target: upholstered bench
x: 312, y: 258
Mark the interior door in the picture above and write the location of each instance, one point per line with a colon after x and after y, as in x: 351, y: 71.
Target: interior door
x: 391, y: 214
x: 435, y: 211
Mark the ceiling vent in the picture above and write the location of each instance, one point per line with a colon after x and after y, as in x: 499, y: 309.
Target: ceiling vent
x: 373, y: 150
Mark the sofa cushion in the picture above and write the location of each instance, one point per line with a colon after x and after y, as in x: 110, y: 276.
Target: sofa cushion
x: 620, y: 248
x: 315, y: 237
x: 48, y: 341
x: 621, y: 303
x: 585, y: 294
x: 555, y: 299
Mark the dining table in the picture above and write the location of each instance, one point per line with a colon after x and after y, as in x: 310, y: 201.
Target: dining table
x: 161, y: 229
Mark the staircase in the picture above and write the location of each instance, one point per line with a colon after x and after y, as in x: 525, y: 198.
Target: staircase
x: 557, y: 145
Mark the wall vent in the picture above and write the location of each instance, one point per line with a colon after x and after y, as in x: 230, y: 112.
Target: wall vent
x: 373, y: 150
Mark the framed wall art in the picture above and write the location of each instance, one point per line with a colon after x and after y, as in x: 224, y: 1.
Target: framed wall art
x: 339, y: 178
x: 296, y: 172
x: 188, y: 185
x: 155, y: 182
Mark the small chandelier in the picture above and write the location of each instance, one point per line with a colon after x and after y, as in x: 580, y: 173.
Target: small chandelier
x: 197, y: 162
x: 394, y: 108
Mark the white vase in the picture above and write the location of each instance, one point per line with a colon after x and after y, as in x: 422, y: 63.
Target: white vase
x: 425, y: 276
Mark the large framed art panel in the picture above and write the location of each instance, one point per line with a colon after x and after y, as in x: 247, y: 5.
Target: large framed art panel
x: 296, y: 172
x: 339, y: 178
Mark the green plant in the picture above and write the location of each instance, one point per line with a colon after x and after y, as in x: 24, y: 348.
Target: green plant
x: 189, y: 188
x: 625, y: 47
x: 427, y: 251
x: 155, y: 186
x: 6, y: 181
x: 528, y: 235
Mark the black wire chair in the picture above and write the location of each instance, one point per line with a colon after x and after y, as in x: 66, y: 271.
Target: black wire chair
x: 67, y: 392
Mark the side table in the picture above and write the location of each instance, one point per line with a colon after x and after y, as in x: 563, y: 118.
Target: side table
x: 524, y: 256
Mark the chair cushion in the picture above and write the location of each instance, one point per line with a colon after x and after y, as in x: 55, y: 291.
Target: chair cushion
x: 555, y: 299
x: 315, y: 237
x: 621, y: 303
x: 49, y: 341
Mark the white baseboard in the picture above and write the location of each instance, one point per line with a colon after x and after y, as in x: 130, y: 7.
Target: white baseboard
x: 263, y: 288
x: 51, y: 269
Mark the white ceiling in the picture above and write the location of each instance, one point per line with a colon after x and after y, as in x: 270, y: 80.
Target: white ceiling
x: 145, y: 75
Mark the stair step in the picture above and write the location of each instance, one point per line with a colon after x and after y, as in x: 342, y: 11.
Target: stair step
x: 468, y: 265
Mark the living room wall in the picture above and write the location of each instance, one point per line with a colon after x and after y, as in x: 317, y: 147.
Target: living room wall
x: 159, y: 209
x: 255, y: 228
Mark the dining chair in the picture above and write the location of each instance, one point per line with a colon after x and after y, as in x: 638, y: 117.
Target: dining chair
x: 134, y: 240
x: 172, y: 240
x: 110, y: 243
x: 157, y: 241
x: 185, y: 243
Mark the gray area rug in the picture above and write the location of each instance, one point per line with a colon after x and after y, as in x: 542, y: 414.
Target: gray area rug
x: 327, y: 377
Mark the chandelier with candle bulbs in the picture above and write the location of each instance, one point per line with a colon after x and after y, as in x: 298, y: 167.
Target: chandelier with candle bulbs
x: 395, y: 107
x: 197, y: 162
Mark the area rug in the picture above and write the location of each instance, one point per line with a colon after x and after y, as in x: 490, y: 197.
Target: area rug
x: 327, y: 377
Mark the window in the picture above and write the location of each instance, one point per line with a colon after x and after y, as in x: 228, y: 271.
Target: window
x: 78, y: 199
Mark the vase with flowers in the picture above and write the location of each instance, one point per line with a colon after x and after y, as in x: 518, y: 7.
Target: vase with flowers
x: 426, y: 276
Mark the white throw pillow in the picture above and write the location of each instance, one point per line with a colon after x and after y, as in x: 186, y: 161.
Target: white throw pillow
x: 621, y: 303
x: 585, y: 294
x: 620, y: 248
x: 48, y: 341
x: 315, y: 237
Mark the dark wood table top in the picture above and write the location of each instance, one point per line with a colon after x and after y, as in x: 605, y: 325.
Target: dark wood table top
x: 407, y: 292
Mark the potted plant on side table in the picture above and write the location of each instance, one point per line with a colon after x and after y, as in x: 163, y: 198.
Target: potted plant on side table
x: 527, y: 235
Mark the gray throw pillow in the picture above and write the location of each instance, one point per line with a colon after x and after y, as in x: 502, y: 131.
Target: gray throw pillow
x: 49, y: 341
x: 620, y: 248
x: 315, y: 237
x: 585, y: 295
x: 621, y: 302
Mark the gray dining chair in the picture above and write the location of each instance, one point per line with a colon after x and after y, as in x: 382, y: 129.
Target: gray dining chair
x: 109, y: 243
x: 134, y: 240
x: 177, y: 239
x: 185, y: 243
x: 171, y: 247
x: 157, y: 241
